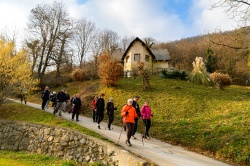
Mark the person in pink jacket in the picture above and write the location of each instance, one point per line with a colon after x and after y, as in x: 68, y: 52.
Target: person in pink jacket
x: 146, y: 114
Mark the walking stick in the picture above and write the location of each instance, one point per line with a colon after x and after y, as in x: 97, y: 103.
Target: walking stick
x: 121, y: 132
x: 141, y: 132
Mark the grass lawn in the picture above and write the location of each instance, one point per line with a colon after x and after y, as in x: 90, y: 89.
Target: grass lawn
x: 203, y: 119
x: 8, y: 158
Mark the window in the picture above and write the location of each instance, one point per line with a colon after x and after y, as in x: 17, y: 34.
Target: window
x: 127, y: 58
x: 147, y: 58
x: 136, y: 57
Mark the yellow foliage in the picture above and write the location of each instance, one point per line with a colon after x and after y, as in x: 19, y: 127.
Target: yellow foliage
x: 15, y: 70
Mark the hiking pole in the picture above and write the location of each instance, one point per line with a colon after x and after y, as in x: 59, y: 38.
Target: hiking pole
x: 141, y: 132
x: 121, y: 132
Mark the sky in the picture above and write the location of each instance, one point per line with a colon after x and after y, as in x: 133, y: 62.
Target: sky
x: 163, y: 20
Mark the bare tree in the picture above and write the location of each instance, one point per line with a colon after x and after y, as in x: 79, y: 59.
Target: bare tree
x: 125, y: 41
x: 109, y: 40
x: 149, y: 41
x: 48, y: 24
x: 238, y: 10
x: 83, y: 36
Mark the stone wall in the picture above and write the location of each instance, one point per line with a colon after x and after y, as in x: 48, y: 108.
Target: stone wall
x: 62, y: 143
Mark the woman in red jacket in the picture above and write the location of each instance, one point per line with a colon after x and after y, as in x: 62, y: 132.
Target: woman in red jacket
x: 93, y: 106
x: 146, y: 114
x: 129, y: 114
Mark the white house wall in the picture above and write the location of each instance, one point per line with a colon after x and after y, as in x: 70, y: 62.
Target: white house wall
x: 137, y: 48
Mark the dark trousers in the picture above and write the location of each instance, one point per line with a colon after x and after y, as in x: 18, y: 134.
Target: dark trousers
x: 75, y: 113
x: 130, y: 127
x: 100, y: 118
x: 44, y: 103
x: 147, y: 123
x: 135, y: 126
x: 94, y: 116
x: 110, y: 120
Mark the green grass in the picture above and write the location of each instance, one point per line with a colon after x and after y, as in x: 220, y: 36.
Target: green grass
x: 209, y: 121
x: 206, y: 120
x: 8, y: 158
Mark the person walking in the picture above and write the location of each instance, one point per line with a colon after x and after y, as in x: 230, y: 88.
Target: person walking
x: 22, y: 97
x: 61, y: 99
x: 66, y: 101
x: 71, y: 103
x: 53, y: 99
x: 93, y: 106
x: 110, y: 110
x: 45, y: 97
x: 138, y: 112
x: 146, y: 117
x: 100, y: 105
x: 77, y: 105
x: 129, y: 115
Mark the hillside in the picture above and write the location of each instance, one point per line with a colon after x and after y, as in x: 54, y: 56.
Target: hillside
x: 206, y: 120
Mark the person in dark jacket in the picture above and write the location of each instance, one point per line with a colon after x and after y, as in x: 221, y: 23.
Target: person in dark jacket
x: 60, y: 100
x: 22, y: 97
x: 138, y: 112
x: 110, y: 110
x: 100, y: 105
x: 77, y: 105
x: 45, y: 97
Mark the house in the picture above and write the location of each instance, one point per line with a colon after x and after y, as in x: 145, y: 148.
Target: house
x: 154, y: 60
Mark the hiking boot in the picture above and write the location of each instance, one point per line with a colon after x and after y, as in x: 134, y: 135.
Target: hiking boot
x: 134, y: 137
x: 77, y: 120
x: 128, y: 143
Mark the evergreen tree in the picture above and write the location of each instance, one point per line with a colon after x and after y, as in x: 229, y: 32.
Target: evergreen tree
x: 211, y: 62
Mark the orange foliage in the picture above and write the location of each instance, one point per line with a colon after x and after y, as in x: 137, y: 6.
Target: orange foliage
x: 221, y: 80
x: 109, y: 69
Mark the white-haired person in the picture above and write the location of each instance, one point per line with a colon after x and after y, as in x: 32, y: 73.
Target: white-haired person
x: 110, y: 111
x: 129, y: 114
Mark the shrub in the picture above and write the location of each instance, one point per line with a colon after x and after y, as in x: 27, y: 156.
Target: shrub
x: 199, y: 74
x: 78, y: 74
x: 175, y: 74
x: 221, y: 79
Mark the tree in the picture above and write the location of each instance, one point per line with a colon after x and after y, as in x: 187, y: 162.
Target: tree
x: 211, y: 62
x: 15, y: 70
x: 109, y: 41
x: 109, y: 69
x: 240, y: 11
x: 83, y: 35
x: 149, y: 41
x: 144, y: 74
x: 48, y: 24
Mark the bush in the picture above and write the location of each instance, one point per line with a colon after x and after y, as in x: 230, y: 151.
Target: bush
x: 221, y: 79
x: 199, y: 74
x: 78, y: 74
x: 175, y: 74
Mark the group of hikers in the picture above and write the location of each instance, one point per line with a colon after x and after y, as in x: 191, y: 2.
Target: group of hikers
x: 130, y: 113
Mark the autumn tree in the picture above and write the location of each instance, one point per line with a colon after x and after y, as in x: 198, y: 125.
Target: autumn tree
x: 109, y: 69
x: 144, y: 74
x: 15, y: 70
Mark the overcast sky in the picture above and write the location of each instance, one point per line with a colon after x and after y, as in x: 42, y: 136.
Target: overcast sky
x: 163, y: 20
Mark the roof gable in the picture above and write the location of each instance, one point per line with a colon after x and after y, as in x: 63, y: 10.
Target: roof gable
x: 143, y: 44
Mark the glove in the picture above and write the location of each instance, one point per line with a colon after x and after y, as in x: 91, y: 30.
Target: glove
x: 126, y: 113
